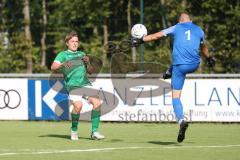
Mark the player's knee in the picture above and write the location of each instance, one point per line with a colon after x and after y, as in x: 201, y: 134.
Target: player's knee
x: 176, y: 94
x: 96, y: 104
x: 77, y: 107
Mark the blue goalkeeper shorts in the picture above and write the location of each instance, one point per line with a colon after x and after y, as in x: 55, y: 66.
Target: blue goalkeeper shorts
x: 179, y: 74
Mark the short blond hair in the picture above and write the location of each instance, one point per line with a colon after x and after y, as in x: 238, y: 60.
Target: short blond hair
x: 70, y: 35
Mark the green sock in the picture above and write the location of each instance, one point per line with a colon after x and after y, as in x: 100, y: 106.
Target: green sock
x: 75, y: 118
x: 95, y: 117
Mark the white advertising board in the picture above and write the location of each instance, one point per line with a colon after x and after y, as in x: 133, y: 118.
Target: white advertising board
x: 216, y: 100
x: 133, y: 99
x: 13, y: 99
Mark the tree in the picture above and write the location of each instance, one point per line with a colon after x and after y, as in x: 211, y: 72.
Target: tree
x: 33, y: 40
x: 134, y: 52
x: 43, y: 38
x: 27, y: 21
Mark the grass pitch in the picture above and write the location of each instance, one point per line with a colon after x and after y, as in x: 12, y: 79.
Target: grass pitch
x: 40, y: 140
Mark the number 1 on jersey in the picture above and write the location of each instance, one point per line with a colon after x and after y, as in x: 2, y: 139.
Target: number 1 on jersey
x: 188, y: 33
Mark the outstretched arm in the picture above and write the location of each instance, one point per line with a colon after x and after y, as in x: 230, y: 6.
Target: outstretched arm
x: 158, y: 35
x: 153, y: 37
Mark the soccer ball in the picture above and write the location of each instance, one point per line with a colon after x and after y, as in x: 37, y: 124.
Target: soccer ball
x: 138, y: 31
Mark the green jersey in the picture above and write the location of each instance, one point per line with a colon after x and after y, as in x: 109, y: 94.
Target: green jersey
x: 76, y: 75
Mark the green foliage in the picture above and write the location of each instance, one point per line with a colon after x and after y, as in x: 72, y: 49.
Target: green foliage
x: 218, y: 18
x: 13, y: 60
x: 93, y: 47
x: 221, y: 23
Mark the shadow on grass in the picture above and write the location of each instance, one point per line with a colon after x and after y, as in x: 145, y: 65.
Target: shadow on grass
x: 114, y: 140
x: 162, y: 143
x: 62, y: 136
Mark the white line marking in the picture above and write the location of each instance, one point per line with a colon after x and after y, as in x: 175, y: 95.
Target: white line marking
x: 7, y: 154
x: 34, y: 152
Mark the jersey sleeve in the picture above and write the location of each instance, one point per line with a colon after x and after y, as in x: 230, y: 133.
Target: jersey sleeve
x: 60, y: 58
x: 169, y: 30
x: 202, y: 40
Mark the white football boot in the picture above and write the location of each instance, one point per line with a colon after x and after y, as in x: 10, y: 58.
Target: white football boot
x: 97, y: 136
x: 74, y: 135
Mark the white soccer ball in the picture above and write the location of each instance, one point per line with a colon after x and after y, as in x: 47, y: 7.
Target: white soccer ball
x: 138, y: 31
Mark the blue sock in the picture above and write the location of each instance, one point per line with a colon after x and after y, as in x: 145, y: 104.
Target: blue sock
x: 178, y: 109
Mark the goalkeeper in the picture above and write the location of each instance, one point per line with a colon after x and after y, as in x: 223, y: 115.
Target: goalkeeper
x: 188, y: 37
x: 75, y: 65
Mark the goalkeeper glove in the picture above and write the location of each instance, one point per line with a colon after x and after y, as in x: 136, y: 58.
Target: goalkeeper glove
x: 210, y: 61
x: 135, y: 42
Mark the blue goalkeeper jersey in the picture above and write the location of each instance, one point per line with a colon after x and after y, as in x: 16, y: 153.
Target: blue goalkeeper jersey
x: 187, y: 38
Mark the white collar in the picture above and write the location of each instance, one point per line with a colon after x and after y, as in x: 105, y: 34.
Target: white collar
x: 71, y: 51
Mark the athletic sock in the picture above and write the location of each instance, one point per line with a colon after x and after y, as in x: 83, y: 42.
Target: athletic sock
x: 178, y: 109
x: 95, y: 118
x: 75, y: 118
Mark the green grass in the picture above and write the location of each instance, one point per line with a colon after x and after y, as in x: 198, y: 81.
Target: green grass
x: 50, y: 141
